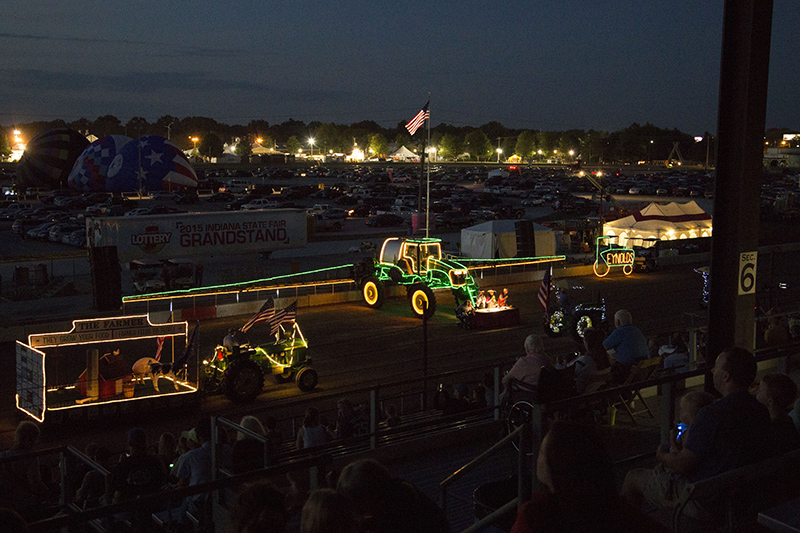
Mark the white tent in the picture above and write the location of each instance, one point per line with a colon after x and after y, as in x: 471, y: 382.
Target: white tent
x: 404, y: 154
x: 664, y: 222
x: 497, y: 239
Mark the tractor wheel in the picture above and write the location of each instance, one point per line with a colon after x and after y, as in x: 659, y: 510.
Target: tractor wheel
x: 373, y: 292
x: 243, y: 381
x: 421, y: 297
x: 556, y: 323
x: 601, y: 270
x: 627, y: 270
x: 286, y: 377
x: 307, y: 379
x: 580, y: 323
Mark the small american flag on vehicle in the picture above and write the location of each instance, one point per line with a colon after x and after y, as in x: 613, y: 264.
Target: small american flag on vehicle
x: 544, y: 289
x: 284, y: 316
x: 264, y: 314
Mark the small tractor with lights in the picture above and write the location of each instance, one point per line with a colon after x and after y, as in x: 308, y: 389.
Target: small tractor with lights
x: 418, y: 264
x: 239, y: 373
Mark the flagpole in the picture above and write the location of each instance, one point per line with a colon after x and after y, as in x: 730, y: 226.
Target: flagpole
x: 428, y: 183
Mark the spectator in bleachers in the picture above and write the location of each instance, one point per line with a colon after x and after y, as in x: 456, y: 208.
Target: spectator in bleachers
x: 186, y: 442
x: 688, y: 407
x: 92, y: 491
x: 478, y: 399
x: 778, y: 392
x: 528, y: 367
x: 677, y: 356
x: 259, y: 508
x: 247, y: 453
x: 595, y: 362
x: 328, y: 511
x: 776, y: 334
x: 386, y: 504
x: 196, y: 466
x: 349, y: 422
x: 392, y: 418
x: 167, y: 450
x: 138, y: 472
x: 579, y: 492
x: 729, y: 433
x: 273, y: 434
x: 629, y: 344
x: 21, y: 480
x: 311, y: 433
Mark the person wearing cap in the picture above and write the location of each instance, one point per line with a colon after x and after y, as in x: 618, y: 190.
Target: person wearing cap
x: 230, y: 340
x: 138, y: 472
x: 196, y: 466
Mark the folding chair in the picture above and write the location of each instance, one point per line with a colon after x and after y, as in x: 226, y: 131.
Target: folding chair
x: 641, y: 371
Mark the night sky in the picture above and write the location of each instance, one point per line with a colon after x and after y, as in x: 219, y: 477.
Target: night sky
x: 550, y: 65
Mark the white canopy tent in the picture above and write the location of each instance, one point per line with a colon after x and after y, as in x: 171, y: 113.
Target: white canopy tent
x: 663, y: 222
x: 497, y: 239
x: 404, y: 154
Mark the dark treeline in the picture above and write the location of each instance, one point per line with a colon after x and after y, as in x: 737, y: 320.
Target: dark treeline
x: 634, y: 143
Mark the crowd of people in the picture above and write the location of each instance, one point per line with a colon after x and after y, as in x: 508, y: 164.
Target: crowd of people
x: 745, y: 422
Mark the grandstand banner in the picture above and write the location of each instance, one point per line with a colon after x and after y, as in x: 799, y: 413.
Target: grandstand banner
x: 199, y: 234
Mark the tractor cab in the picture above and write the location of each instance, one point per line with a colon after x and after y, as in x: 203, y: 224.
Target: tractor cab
x: 413, y: 256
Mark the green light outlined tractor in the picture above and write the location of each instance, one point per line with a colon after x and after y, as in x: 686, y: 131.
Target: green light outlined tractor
x: 418, y: 264
x: 608, y: 254
x: 239, y: 373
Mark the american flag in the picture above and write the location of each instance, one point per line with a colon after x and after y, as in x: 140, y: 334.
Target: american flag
x: 419, y: 119
x: 265, y: 313
x: 544, y: 289
x: 284, y: 316
x: 159, y: 346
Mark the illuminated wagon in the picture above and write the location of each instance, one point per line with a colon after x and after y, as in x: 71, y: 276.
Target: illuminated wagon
x: 106, y: 367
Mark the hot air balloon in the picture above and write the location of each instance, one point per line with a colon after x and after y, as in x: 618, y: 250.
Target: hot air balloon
x: 150, y: 163
x: 49, y: 157
x: 90, y: 170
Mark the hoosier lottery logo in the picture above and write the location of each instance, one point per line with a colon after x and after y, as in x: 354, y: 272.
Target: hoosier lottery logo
x: 152, y: 240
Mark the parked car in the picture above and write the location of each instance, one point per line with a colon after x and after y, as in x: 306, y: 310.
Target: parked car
x: 532, y: 201
x: 78, y: 238
x: 22, y: 225
x: 57, y: 231
x: 41, y: 231
x: 238, y: 203
x: 137, y: 212
x: 385, y: 220
x: 260, y: 203
x: 221, y: 197
x: 335, y: 213
x: 453, y: 218
x: 188, y: 197
x: 164, y: 210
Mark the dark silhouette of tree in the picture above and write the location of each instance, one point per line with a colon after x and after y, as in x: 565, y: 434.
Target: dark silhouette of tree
x: 293, y: 145
x: 211, y: 145
x: 525, y: 145
x: 107, y: 125
x: 451, y: 146
x: 478, y: 145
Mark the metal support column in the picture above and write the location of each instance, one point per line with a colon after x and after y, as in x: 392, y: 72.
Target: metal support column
x: 744, y: 75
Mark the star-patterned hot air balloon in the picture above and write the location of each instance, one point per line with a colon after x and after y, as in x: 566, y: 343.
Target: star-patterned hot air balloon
x: 151, y: 163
